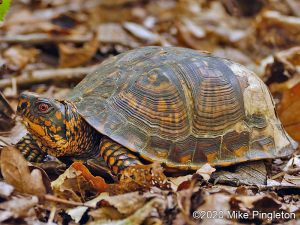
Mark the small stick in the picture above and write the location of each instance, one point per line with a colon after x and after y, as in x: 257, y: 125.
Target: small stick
x: 281, y: 174
x: 41, y: 76
x: 43, y: 38
x: 60, y: 200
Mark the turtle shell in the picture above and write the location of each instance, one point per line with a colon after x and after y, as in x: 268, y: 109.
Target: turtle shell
x: 182, y: 107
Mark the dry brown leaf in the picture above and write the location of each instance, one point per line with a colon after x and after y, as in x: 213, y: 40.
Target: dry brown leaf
x: 98, y: 182
x: 140, y: 214
x: 177, y: 181
x: 77, y: 213
x: 127, y: 203
x: 205, y: 171
x: 72, y: 57
x: 114, y: 33
x: 76, y: 181
x: 16, y: 172
x: 18, y: 57
x: 142, y: 177
x: 106, y: 213
x: 20, y: 207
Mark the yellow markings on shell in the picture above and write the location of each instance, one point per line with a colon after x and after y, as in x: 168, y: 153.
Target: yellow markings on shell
x: 185, y: 159
x: 58, y: 128
x: 113, y: 74
x: 162, y: 106
x: 132, y: 102
x: 210, y: 157
x: 152, y: 78
x: 239, y: 152
x: 161, y: 154
x: 139, y: 64
x: 48, y: 123
x: 124, y: 86
x: 58, y: 115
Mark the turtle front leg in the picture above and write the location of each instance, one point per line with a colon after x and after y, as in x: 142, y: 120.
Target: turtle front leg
x: 30, y: 149
x: 116, y: 156
x: 247, y: 173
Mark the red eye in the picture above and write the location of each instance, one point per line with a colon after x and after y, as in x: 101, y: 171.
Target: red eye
x: 43, y: 107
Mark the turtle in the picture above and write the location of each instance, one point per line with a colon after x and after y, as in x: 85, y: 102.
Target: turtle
x: 173, y: 105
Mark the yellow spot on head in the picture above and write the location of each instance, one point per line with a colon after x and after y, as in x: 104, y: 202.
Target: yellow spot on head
x: 58, y: 115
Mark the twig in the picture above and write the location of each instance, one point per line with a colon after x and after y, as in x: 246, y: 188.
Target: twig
x: 43, y: 38
x: 52, y: 214
x: 63, y: 201
x: 40, y: 76
x: 293, y: 7
x: 296, y: 170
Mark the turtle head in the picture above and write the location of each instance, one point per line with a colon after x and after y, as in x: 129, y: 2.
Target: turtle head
x: 48, y: 120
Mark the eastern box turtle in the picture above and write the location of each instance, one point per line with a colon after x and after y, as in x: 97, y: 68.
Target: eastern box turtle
x: 172, y: 105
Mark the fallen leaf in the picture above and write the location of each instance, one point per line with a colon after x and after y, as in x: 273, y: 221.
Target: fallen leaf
x: 177, y: 181
x: 127, y: 203
x: 20, y: 206
x: 106, y: 213
x: 114, y: 33
x: 16, y: 172
x: 72, y: 57
x: 78, y: 212
x: 98, y: 182
x: 205, y: 171
x: 18, y: 57
x: 142, y: 177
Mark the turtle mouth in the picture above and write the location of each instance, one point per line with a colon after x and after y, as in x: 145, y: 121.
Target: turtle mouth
x: 34, y: 128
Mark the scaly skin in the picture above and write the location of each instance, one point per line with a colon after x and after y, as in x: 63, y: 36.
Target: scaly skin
x: 58, y: 130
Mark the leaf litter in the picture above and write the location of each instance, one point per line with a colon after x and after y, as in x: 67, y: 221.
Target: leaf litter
x: 58, y: 43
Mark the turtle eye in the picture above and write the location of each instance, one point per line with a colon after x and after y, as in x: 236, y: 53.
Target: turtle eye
x: 43, y: 107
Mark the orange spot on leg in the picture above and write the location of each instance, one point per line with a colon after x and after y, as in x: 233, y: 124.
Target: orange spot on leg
x: 112, y: 160
x: 115, y: 169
